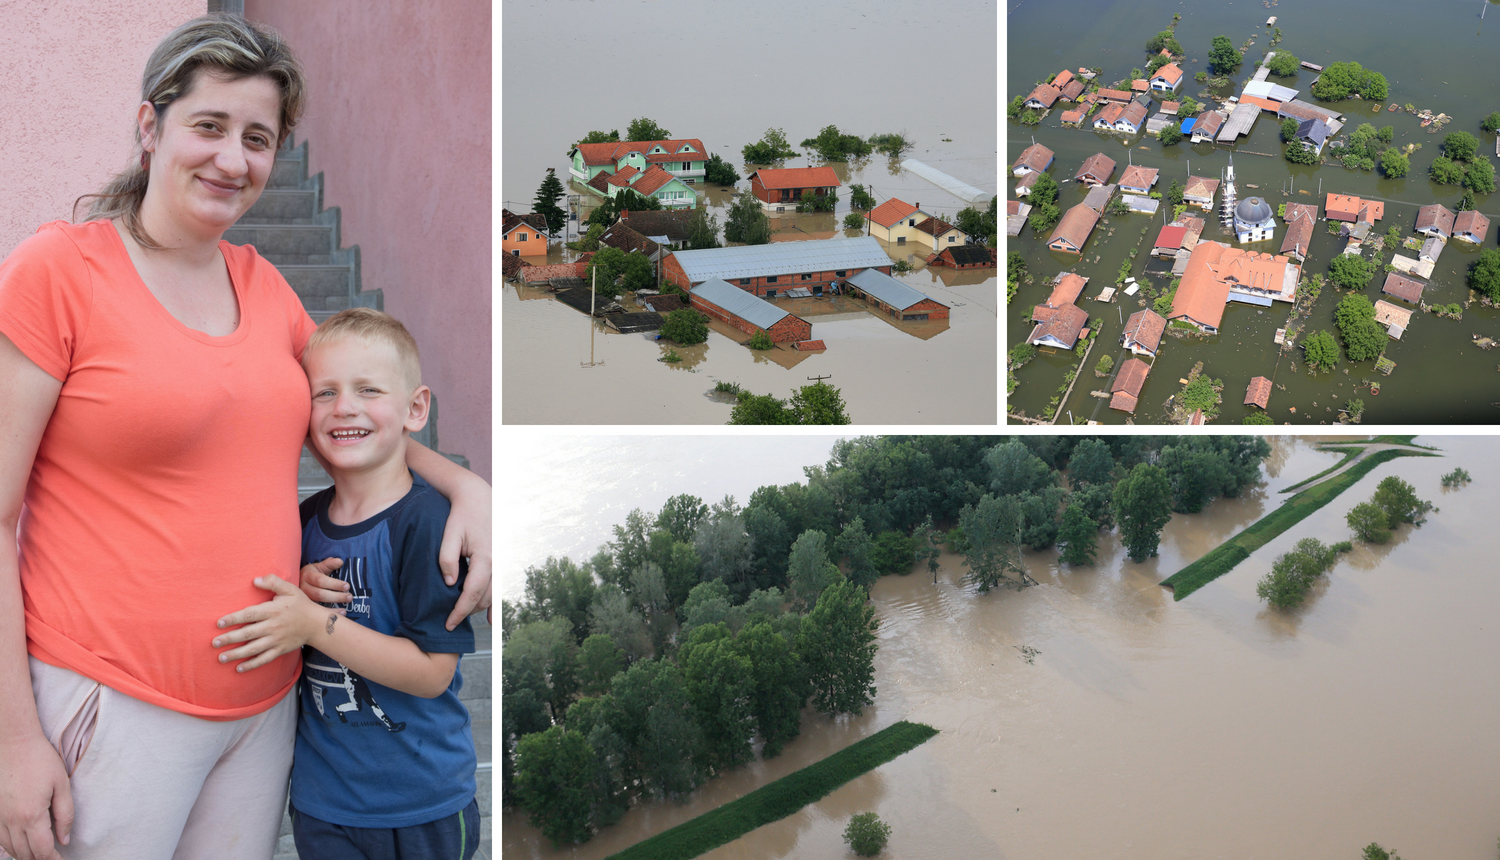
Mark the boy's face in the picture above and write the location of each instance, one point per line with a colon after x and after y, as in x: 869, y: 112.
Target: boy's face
x: 361, y: 404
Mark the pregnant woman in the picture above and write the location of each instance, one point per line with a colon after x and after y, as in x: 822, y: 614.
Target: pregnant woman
x: 152, y: 412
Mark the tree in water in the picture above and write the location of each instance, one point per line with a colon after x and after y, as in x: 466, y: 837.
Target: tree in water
x: 642, y: 128
x: 809, y: 571
x: 545, y: 202
x: 992, y: 530
x: 1079, y: 537
x: 553, y: 772
x: 855, y: 544
x: 1142, y: 506
x: 837, y: 643
x: 747, y: 221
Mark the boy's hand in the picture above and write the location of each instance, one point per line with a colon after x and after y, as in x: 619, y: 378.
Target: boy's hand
x: 322, y: 588
x: 274, y: 628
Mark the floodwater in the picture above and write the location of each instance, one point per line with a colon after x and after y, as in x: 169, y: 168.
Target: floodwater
x: 1440, y: 376
x: 1148, y: 728
x: 733, y: 78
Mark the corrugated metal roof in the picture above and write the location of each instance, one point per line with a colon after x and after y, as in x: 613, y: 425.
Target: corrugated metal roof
x: 742, y: 304
x: 1268, y: 90
x: 783, y: 258
x: 888, y: 289
x: 961, y: 190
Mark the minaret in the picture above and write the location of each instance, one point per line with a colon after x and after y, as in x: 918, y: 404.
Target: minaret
x: 1226, y: 214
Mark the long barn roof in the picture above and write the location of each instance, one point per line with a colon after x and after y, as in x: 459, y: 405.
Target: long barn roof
x: 783, y: 258
x: 739, y: 302
x: 888, y: 289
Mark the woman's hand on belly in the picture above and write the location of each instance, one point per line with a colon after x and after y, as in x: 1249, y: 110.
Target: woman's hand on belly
x: 279, y: 626
x: 34, y: 798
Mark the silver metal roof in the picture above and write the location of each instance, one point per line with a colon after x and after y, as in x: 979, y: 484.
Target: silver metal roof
x: 742, y: 304
x: 888, y: 289
x: 783, y: 258
x: 961, y: 190
x: 1267, y: 90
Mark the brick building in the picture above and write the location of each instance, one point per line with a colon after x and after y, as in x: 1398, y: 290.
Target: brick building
x: 735, y: 307
x: 778, y: 189
x: 893, y: 298
x: 770, y: 270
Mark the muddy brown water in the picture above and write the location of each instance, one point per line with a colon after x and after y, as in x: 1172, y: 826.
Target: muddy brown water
x: 731, y: 80
x: 1148, y: 728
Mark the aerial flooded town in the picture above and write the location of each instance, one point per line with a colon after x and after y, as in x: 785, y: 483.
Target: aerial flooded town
x: 1252, y: 212
x: 777, y: 240
x: 1208, y: 646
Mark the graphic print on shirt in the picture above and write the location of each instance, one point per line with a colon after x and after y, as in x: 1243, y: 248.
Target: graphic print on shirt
x: 325, y: 674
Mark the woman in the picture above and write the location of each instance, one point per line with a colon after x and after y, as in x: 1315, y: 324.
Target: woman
x: 151, y: 414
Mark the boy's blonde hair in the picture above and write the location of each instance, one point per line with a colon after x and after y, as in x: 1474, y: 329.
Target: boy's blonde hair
x: 372, y: 326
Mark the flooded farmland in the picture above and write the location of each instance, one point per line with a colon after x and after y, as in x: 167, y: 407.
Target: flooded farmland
x: 556, y: 369
x: 1148, y: 728
x: 1430, y: 55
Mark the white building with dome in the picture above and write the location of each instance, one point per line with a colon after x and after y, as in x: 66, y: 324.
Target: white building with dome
x: 1254, y: 220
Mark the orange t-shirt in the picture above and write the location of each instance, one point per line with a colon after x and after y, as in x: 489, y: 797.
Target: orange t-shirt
x: 166, y: 479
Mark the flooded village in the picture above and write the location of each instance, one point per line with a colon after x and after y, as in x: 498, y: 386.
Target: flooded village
x: 877, y: 284
x: 1273, y: 251
x: 1142, y: 727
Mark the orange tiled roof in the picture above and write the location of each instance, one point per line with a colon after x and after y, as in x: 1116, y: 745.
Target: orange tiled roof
x: 890, y: 213
x: 621, y: 177
x: 1171, y: 73
x: 1136, y: 176
x: 1066, y: 289
x: 652, y: 180
x: 597, y: 154
x: 797, y: 177
x: 1259, y: 392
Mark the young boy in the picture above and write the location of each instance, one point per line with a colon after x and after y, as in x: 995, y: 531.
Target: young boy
x: 384, y: 763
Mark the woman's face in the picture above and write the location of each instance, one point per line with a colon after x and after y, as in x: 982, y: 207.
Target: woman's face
x: 212, y: 151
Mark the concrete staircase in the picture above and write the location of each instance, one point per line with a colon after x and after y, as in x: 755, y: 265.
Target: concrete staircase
x: 290, y: 228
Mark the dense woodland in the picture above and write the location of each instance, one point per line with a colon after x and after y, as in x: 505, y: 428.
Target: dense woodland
x: 696, y: 638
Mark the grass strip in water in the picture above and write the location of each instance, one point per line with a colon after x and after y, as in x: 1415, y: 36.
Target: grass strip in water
x: 1222, y: 558
x: 1349, y: 454
x: 1403, y: 440
x: 778, y: 799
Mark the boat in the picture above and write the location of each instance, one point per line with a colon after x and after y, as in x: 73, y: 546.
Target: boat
x: 1393, y: 108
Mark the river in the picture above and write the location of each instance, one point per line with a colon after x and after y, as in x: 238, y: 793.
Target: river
x: 1425, y: 53
x: 1148, y: 728
x: 569, y: 68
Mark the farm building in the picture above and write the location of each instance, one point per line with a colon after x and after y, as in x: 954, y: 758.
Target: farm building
x: 766, y: 270
x: 735, y: 307
x: 964, y: 257
x: 895, y: 299
x: 778, y: 189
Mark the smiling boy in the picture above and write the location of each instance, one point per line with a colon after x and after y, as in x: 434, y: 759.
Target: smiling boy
x: 384, y: 763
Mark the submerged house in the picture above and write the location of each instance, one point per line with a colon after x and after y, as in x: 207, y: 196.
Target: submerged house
x: 1168, y: 78
x: 1470, y: 226
x: 1400, y: 286
x: 1033, y: 158
x: 684, y: 158
x: 1395, y: 319
x: 1200, y: 192
x: 1138, y: 180
x: 1073, y: 230
x: 1300, y: 219
x: 1217, y: 274
x: 1258, y: 393
x: 523, y: 235
x: 1126, y: 389
x: 778, y: 188
x: 1143, y: 331
x: 1043, y: 97
x: 651, y: 182
x: 894, y: 298
x: 1096, y: 169
x: 896, y: 221
x: 767, y: 270
x: 1435, y: 220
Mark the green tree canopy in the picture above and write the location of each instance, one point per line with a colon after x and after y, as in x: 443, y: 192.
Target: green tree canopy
x: 1142, y: 505
x: 771, y: 148
x: 1044, y: 216
x: 1321, y: 350
x: 833, y: 145
x: 1445, y: 171
x: 1341, y: 80
x: 1288, y: 129
x: 553, y: 772
x: 979, y: 225
x: 747, y: 222
x: 1014, y: 469
x: 1165, y: 39
x: 1484, y: 274
x: 1257, y: 418
x: 1298, y: 152
x: 1399, y: 501
x: 1460, y: 145
x: 1394, y: 163
x: 600, y: 137
x: 1480, y: 177
x: 599, y: 660
x: 1369, y: 523
x: 1491, y: 123
x: 992, y: 530
x: 1188, y: 107
x: 837, y: 645
x: 685, y: 327
x: 1091, y: 463
x: 1079, y: 537
x: 778, y: 685
x: 719, y: 679
x: 1363, y: 337
x: 1222, y: 57
x: 760, y: 409
x: 1293, y: 573
x: 719, y: 172
x: 1283, y: 65
x: 856, y: 545
x: 1171, y: 135
x: 1351, y: 271
x: 819, y: 403
x: 1044, y: 190
x: 867, y: 834
x: 545, y: 202
x: 642, y: 128
x: 861, y: 199
x: 808, y: 569
x: 608, y: 212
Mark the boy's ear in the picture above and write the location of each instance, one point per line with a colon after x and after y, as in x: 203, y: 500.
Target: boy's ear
x: 416, y: 413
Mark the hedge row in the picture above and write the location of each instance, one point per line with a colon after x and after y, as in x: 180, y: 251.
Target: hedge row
x: 1225, y: 556
x: 778, y: 799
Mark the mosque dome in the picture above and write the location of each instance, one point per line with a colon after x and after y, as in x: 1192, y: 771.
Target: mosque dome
x: 1253, y: 210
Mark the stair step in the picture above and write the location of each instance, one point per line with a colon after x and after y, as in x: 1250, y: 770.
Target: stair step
x: 290, y: 243
x: 283, y: 205
x: 321, y: 287
x: 290, y: 169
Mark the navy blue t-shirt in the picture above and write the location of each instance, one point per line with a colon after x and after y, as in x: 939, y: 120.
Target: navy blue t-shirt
x: 368, y: 755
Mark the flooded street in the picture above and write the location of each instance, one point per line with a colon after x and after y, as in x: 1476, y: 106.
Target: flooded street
x: 1152, y: 729
x: 743, y: 81
x: 1440, y: 376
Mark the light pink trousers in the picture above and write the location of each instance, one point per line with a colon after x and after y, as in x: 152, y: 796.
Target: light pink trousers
x: 152, y: 784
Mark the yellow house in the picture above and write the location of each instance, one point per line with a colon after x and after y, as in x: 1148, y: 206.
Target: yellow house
x: 523, y: 235
x: 895, y: 221
x: 939, y: 235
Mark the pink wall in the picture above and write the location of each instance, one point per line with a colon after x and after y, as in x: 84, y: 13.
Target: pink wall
x: 398, y: 120
x: 72, y: 78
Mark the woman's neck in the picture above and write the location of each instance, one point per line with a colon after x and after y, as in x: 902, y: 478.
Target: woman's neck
x: 177, y: 241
